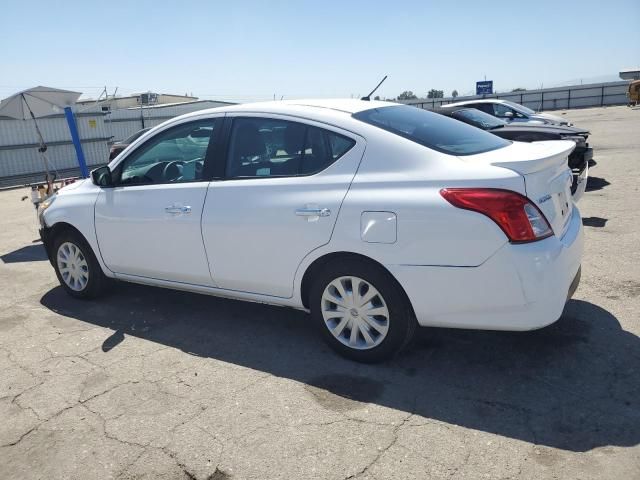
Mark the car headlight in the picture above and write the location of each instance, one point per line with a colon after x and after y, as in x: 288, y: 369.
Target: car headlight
x: 42, y: 207
x: 576, y: 138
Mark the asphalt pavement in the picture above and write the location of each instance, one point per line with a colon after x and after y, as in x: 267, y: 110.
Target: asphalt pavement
x: 147, y: 383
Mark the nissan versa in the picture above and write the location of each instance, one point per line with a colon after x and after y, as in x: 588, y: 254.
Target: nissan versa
x: 375, y: 217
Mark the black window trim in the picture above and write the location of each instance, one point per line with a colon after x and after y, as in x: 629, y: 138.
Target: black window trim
x: 221, y: 163
x: 211, y: 156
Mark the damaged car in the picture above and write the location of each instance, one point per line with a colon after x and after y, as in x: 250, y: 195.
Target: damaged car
x: 510, y: 112
x: 579, y: 160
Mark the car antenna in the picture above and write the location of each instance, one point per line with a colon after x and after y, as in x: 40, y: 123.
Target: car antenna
x: 368, y: 97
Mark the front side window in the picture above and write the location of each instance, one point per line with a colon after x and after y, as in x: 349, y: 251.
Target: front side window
x: 265, y: 147
x: 173, y: 156
x: 432, y: 130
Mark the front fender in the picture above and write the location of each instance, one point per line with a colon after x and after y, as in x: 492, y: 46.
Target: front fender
x: 74, y: 208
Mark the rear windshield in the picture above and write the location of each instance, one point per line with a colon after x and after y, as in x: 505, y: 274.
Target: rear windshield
x: 432, y: 130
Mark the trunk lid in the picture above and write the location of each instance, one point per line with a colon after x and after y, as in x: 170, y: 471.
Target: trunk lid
x: 546, y: 175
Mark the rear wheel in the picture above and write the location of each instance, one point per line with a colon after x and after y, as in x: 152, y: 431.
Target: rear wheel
x: 76, y: 266
x: 361, y: 311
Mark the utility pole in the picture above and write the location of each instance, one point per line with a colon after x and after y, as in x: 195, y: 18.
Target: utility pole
x: 141, y: 112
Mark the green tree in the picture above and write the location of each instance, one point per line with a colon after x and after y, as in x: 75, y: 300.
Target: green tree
x: 377, y: 97
x: 407, y: 95
x: 433, y: 93
x: 519, y: 89
x: 454, y: 94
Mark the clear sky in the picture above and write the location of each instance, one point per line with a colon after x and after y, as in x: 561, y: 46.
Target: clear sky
x: 245, y: 50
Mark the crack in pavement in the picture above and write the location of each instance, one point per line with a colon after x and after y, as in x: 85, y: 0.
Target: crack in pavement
x: 60, y: 412
x: 396, y: 431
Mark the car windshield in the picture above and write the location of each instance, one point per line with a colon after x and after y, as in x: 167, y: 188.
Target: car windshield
x: 519, y: 107
x: 479, y: 119
x: 432, y: 130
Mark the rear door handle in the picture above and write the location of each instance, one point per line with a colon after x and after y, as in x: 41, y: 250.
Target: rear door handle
x: 177, y: 210
x: 313, y: 212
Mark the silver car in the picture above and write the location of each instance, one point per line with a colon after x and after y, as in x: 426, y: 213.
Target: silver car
x: 510, y: 111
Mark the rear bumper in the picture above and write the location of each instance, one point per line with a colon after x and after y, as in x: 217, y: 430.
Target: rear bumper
x: 579, y: 157
x: 579, y: 161
x: 579, y: 182
x: 521, y: 287
x: 574, y: 284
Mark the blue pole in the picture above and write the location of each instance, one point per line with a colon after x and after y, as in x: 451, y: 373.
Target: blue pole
x: 71, y: 121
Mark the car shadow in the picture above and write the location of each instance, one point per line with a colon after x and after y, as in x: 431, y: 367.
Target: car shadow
x: 30, y: 253
x: 597, y: 222
x: 574, y: 385
x: 596, y: 183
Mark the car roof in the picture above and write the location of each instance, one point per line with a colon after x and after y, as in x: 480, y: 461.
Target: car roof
x: 323, y: 110
x: 479, y: 100
x: 347, y: 105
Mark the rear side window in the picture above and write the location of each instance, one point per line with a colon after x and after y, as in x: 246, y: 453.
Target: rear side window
x: 435, y: 131
x: 265, y: 147
x: 483, y: 107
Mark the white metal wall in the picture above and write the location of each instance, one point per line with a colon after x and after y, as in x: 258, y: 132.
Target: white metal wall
x: 124, y: 122
x: 21, y: 163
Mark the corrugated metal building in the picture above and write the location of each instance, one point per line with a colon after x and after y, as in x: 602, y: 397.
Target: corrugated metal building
x: 21, y: 163
x: 129, y: 101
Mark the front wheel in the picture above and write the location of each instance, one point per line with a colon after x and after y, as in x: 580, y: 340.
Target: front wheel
x: 76, y: 266
x: 361, y: 311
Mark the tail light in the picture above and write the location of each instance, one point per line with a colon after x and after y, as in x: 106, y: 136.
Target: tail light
x: 515, y: 214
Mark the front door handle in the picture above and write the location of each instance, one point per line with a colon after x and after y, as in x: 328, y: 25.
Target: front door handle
x: 313, y: 212
x: 177, y: 210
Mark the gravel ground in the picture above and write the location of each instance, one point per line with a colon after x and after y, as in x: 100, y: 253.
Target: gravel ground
x: 151, y: 383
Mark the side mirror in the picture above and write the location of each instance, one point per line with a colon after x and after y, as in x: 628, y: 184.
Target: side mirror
x: 508, y: 115
x: 102, y: 177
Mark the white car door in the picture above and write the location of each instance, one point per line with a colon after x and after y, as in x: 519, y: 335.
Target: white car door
x: 148, y: 223
x: 279, y: 199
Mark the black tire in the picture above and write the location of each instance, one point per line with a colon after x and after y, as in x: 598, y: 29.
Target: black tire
x: 401, y: 320
x: 97, y: 281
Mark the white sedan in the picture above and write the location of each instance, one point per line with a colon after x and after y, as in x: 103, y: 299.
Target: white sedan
x: 375, y: 217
